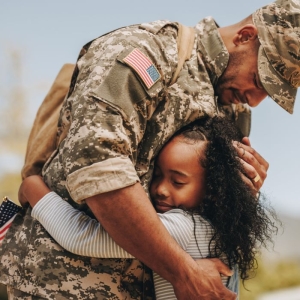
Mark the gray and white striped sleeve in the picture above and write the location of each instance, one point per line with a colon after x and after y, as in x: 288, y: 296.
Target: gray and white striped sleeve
x: 74, y: 230
x: 179, y: 226
x: 181, y: 229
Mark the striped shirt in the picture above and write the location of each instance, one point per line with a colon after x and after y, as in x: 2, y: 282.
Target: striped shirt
x: 78, y: 233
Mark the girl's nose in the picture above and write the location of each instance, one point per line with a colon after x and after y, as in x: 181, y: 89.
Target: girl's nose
x: 162, y: 191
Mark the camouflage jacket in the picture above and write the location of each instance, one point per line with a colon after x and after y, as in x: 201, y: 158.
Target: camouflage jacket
x: 115, y: 120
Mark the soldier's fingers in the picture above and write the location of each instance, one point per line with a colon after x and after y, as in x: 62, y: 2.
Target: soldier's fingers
x: 251, y: 177
x: 246, y: 141
x: 260, y: 159
x: 252, y: 158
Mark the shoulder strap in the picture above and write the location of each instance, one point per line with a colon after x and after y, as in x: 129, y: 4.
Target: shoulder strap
x: 43, y: 136
x: 185, y: 43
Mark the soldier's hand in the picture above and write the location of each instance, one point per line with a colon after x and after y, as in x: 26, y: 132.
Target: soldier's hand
x: 254, y: 165
x: 207, y: 284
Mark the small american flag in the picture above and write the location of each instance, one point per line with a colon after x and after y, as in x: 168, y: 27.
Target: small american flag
x: 8, y: 211
x: 143, y: 66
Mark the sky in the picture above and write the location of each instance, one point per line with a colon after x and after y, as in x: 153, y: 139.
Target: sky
x: 51, y: 33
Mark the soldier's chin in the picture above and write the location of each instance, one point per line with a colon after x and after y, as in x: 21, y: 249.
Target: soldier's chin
x: 224, y: 101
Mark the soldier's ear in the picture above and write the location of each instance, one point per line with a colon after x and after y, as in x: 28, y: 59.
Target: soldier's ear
x: 245, y: 34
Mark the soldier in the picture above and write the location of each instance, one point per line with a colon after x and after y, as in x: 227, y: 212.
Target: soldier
x: 120, y: 110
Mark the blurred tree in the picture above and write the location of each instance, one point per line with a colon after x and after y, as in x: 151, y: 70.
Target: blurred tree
x: 14, y: 128
x: 14, y: 104
x: 9, y: 185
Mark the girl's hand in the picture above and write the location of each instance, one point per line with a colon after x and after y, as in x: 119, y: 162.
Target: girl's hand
x: 32, y: 189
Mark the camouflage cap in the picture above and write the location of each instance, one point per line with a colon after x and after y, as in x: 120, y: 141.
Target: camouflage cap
x: 278, y: 27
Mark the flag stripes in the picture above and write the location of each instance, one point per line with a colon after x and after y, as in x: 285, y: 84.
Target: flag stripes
x: 8, y: 211
x: 143, y: 66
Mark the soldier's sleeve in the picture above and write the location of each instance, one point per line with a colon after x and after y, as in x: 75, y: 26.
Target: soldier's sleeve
x: 109, y: 112
x: 242, y: 118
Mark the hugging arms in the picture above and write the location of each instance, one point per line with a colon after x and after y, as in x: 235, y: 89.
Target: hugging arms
x: 166, y: 196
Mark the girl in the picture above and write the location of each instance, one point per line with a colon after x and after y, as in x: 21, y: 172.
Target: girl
x: 199, y: 194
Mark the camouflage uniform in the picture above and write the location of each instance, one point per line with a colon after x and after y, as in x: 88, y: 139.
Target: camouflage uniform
x: 115, y: 125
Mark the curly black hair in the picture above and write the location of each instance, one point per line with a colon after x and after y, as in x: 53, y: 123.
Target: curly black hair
x: 241, y: 219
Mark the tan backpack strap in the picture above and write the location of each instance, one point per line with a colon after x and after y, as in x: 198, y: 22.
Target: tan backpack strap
x: 185, y: 44
x: 242, y: 114
x: 43, y: 135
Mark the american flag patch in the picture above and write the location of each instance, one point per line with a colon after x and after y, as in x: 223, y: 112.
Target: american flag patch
x: 143, y: 66
x: 8, y: 211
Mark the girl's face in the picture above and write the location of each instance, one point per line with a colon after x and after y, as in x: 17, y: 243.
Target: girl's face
x: 178, y: 178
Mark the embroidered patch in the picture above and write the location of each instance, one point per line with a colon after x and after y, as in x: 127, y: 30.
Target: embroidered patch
x: 143, y: 66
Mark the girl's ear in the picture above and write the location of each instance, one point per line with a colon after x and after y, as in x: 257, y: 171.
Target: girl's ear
x: 245, y: 34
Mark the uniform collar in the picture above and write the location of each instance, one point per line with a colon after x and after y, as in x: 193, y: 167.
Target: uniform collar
x: 211, y: 49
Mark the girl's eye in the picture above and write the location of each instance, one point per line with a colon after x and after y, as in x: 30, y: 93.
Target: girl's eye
x: 178, y: 182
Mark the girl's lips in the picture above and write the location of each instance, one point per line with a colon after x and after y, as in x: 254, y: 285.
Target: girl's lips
x: 163, y: 207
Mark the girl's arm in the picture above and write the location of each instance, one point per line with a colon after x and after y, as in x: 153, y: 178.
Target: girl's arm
x: 74, y: 230
x: 82, y: 235
x: 77, y: 232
